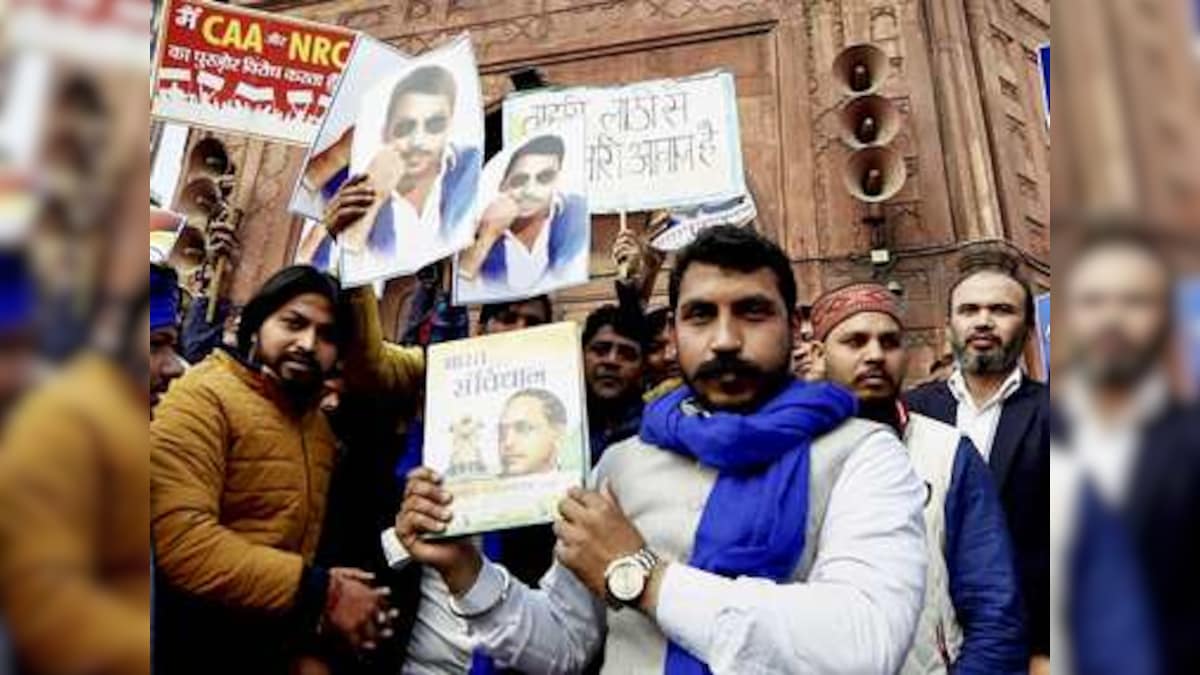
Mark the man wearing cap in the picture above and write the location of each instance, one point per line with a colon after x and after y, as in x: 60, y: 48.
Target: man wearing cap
x: 971, y: 621
x: 240, y: 458
x: 165, y: 362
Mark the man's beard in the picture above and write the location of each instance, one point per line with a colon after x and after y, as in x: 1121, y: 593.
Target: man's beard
x: 1135, y: 364
x: 882, y: 410
x: 768, y: 382
x: 302, y: 388
x: 996, y: 362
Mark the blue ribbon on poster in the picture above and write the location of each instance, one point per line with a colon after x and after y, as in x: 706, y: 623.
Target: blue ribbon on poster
x: 1044, y: 67
x: 1188, y: 311
x: 1043, y: 328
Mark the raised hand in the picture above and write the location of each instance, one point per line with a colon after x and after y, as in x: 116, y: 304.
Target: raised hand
x: 349, y: 205
x: 592, y: 533
x: 426, y: 511
x: 628, y: 253
x: 496, y: 219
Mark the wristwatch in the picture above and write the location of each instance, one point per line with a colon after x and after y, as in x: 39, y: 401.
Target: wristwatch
x: 626, y: 578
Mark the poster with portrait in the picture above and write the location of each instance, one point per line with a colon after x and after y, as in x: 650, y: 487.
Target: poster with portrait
x: 533, y: 224
x: 413, y: 127
x: 506, y: 425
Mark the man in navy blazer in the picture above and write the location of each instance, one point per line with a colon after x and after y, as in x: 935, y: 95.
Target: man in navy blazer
x: 1134, y: 437
x: 1005, y: 414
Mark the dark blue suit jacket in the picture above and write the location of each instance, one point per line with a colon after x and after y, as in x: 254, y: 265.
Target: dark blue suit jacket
x: 568, y: 236
x: 1162, y: 516
x: 1020, y: 465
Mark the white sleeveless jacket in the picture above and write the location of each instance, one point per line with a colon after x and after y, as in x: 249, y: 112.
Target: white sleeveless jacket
x: 932, y: 446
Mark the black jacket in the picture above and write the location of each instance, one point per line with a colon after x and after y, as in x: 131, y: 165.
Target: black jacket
x: 1162, y: 516
x: 1020, y: 464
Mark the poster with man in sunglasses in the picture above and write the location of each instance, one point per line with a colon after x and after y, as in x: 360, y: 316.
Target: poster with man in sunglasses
x: 534, y: 229
x: 411, y: 159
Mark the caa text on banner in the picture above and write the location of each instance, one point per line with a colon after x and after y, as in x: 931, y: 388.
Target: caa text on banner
x: 246, y: 72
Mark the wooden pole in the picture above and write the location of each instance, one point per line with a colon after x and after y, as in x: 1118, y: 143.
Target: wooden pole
x: 232, y: 212
x: 214, y: 286
x: 623, y: 266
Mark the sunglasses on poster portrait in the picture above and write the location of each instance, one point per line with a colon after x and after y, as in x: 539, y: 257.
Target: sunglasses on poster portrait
x: 519, y: 180
x: 406, y: 127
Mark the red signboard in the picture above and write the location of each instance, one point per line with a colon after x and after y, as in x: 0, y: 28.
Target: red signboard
x: 246, y: 72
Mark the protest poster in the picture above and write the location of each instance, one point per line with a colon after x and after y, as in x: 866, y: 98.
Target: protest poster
x: 652, y: 144
x: 101, y: 33
x: 1188, y: 311
x: 683, y: 224
x: 233, y: 69
x: 165, y: 227
x: 533, y: 227
x: 1042, y: 310
x: 506, y: 425
x: 413, y: 127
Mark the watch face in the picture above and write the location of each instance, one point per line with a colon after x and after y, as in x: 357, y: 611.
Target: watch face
x: 626, y: 581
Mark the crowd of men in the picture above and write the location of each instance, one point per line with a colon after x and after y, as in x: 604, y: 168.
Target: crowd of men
x: 765, y: 496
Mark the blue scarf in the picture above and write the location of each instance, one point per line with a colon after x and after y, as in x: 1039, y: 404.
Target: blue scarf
x: 754, y: 521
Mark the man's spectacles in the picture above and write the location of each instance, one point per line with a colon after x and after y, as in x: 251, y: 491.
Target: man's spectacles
x: 433, y: 125
x: 544, y: 177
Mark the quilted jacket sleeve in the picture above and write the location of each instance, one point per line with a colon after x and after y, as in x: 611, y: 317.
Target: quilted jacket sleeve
x: 60, y: 618
x: 196, y: 553
x: 374, y: 366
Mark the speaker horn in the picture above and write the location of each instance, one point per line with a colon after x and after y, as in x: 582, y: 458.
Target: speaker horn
x: 201, y: 197
x: 209, y: 158
x: 860, y: 69
x: 874, y: 174
x: 868, y: 120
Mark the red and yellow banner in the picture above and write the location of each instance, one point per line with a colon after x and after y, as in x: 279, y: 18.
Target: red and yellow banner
x: 246, y: 72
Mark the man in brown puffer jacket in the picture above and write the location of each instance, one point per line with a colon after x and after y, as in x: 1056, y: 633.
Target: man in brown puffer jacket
x: 241, y: 457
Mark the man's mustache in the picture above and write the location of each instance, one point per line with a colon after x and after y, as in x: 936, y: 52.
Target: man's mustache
x: 721, y: 366
x: 606, y: 371
x: 876, y: 372
x: 304, y: 358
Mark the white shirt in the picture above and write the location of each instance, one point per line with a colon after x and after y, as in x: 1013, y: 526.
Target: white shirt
x: 439, y: 643
x: 1107, y: 445
x: 979, y: 423
x: 855, y: 613
x: 417, y: 236
x: 526, y: 266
